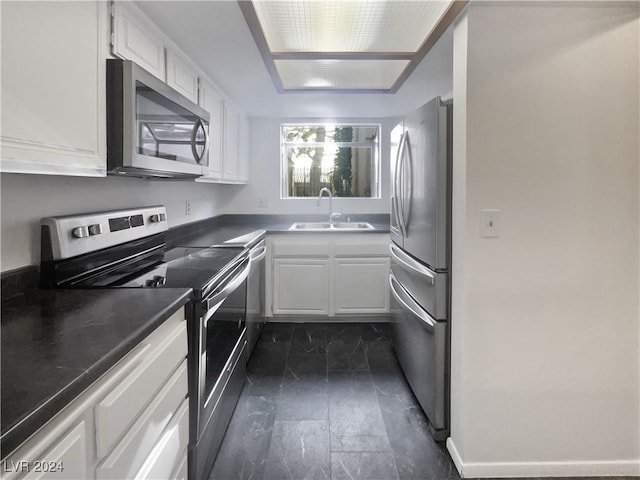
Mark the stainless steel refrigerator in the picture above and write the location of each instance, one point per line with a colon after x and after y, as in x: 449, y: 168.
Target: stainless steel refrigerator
x: 421, y: 255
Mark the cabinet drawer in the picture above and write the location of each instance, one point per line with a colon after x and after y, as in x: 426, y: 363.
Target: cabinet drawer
x: 117, y: 411
x: 129, y: 454
x: 364, y: 249
x: 318, y: 250
x: 170, y: 448
x: 180, y: 472
x: 67, y: 460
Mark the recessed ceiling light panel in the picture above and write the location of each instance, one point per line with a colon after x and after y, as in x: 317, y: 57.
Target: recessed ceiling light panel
x: 340, y: 74
x: 346, y: 45
x: 347, y: 25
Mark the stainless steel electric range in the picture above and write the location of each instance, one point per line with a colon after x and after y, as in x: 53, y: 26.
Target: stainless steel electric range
x: 127, y: 249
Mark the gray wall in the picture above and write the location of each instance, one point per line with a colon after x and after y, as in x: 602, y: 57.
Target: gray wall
x: 545, y: 321
x: 28, y: 198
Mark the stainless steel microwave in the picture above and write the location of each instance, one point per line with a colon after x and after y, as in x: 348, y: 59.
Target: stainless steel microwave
x: 152, y: 130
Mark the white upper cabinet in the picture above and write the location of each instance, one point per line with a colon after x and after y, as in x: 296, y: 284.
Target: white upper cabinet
x: 230, y: 160
x: 53, y: 87
x: 244, y: 148
x: 134, y: 37
x: 212, y: 101
x: 182, y: 76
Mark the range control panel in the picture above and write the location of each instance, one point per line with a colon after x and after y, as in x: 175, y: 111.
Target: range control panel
x: 73, y: 235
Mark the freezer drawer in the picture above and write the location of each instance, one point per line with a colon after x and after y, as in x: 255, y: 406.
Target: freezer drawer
x: 428, y: 288
x: 420, y: 344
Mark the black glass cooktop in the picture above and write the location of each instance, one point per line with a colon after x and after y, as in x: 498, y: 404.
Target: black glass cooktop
x: 195, y: 268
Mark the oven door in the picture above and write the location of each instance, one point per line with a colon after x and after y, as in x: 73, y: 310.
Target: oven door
x: 221, y: 366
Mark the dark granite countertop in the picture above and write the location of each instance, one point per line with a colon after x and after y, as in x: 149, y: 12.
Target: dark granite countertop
x: 55, y: 343
x: 217, y: 230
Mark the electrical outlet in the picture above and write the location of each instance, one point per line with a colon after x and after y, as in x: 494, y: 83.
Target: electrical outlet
x: 490, y: 222
x: 187, y: 207
x: 263, y: 203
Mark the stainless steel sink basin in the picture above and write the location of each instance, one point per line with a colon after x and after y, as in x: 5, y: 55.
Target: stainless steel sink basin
x: 310, y: 226
x: 352, y: 226
x: 326, y: 226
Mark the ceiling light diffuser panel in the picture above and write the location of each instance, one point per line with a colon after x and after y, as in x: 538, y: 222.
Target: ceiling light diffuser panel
x: 347, y: 26
x: 345, y: 45
x: 340, y: 74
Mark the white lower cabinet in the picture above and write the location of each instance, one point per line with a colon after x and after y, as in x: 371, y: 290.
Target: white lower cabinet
x: 302, y: 286
x: 170, y: 449
x: 120, y: 426
x: 361, y: 285
x: 67, y: 459
x: 328, y: 274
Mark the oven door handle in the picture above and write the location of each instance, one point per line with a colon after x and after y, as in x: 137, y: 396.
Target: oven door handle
x: 257, y: 254
x: 216, y: 298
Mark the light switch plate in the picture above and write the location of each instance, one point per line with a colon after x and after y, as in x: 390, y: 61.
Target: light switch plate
x: 490, y: 223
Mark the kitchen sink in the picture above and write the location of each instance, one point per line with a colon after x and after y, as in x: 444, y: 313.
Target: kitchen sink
x: 326, y: 226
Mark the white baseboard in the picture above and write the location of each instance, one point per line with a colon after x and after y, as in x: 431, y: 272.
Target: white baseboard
x: 373, y: 318
x: 617, y: 468
x: 455, y: 455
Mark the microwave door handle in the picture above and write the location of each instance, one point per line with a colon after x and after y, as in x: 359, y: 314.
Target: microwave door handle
x: 409, y: 264
x: 409, y: 189
x: 215, y: 299
x: 411, y: 306
x: 194, y: 133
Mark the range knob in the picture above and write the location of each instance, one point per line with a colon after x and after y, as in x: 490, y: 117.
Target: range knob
x: 95, y: 229
x: 80, y: 232
x: 159, y: 280
x: 158, y: 217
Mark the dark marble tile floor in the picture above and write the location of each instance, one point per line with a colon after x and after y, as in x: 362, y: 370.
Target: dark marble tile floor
x: 329, y: 401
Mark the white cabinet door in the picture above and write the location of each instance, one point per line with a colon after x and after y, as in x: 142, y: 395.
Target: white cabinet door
x: 244, y: 148
x: 212, y: 101
x: 230, y: 166
x: 116, y: 413
x: 361, y: 285
x: 66, y: 460
x: 182, y: 75
x: 301, y: 286
x: 54, y: 87
x: 134, y: 39
x: 170, y: 449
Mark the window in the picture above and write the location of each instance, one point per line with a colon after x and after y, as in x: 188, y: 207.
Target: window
x: 342, y: 158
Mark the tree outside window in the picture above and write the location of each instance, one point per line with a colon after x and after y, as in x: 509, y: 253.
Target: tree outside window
x: 342, y: 158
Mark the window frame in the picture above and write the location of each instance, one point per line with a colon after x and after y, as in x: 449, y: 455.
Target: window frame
x: 376, y: 154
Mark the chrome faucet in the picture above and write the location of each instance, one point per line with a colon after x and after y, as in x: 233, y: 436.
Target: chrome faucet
x: 332, y: 214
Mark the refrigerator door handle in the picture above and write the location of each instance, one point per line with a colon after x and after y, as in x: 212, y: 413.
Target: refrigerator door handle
x: 395, y: 218
x: 399, y: 194
x: 410, y: 305
x: 408, y: 263
x: 407, y: 190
